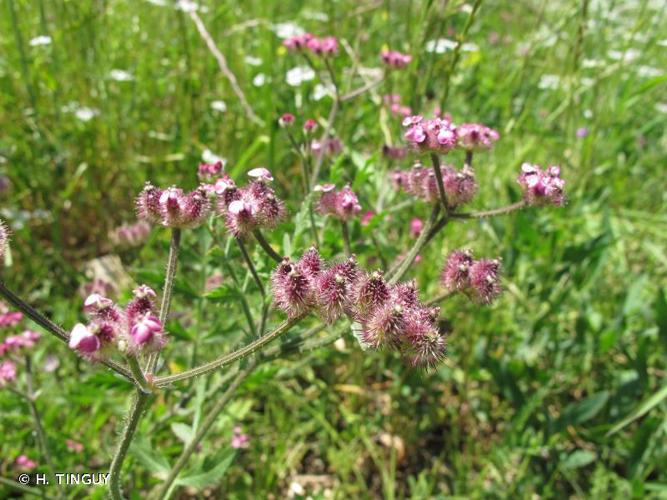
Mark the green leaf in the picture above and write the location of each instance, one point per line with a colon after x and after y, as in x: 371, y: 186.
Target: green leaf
x: 183, y: 432
x: 584, y: 410
x: 212, y: 476
x: 644, y: 407
x: 579, y: 458
x: 150, y: 458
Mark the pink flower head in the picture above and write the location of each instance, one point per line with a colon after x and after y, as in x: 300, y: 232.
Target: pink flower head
x: 395, y: 60
x: 83, y: 340
x: 260, y: 174
x: 326, y: 147
x: 146, y: 334
x: 309, y: 125
x: 334, y: 288
x: 310, y: 264
x: 7, y: 372
x: 74, y: 446
x: 542, y: 187
x: 292, y: 289
x: 4, y: 239
x: 142, y: 303
x: 209, y: 171
x: 416, y: 226
x: 484, y: 280
x: 474, y: 136
x: 24, y: 463
x: 456, y: 274
x: 367, y: 217
x: 393, y: 102
x: 130, y: 235
x: 460, y: 185
x: 95, y: 303
x: 239, y: 439
x: 436, y: 135
x: 10, y: 318
x: 286, y: 120
x: 342, y: 204
x: 298, y: 42
x: 370, y: 291
x: 172, y: 207
x: 394, y: 152
x: 323, y: 46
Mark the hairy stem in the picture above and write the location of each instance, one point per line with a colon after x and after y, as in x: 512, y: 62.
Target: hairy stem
x: 139, y: 377
x: 172, y: 264
x: 266, y: 246
x: 468, y: 160
x: 361, y: 90
x: 204, y: 427
x: 250, y: 265
x: 51, y: 327
x: 346, y: 238
x: 139, y: 403
x: 440, y: 297
x: 438, y: 179
x: 227, y: 359
x: 397, y: 273
x: 491, y: 213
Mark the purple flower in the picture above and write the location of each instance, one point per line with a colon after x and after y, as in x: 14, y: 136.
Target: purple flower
x: 582, y: 132
x: 484, y: 280
x: 10, y: 318
x: 456, y: 274
x: 343, y: 204
x: 309, y: 125
x: 7, y: 372
x: 474, y: 136
x: 24, y: 463
x: 130, y: 235
x: 416, y: 226
x: 459, y: 185
x: 394, y: 152
x: 172, y: 207
x: 334, y: 288
x: 327, y: 147
x: 83, y: 340
x: 436, y: 135
x: 147, y: 334
x: 209, y: 171
x: 541, y: 187
x: 292, y: 289
x: 286, y: 120
x: 394, y: 59
x: 239, y: 439
x: 298, y: 42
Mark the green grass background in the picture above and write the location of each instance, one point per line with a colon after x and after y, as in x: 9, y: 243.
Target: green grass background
x: 529, y: 400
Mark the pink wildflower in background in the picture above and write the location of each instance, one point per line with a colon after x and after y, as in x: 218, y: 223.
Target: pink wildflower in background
x: 7, y: 372
x: 24, y: 463
x: 172, y: 207
x: 286, y: 120
x: 326, y: 147
x: 393, y: 102
x: 394, y: 59
x: 239, y: 438
x: 10, y: 318
x: 541, y: 187
x: 209, y: 171
x: 394, y: 152
x: 74, y: 446
x: 416, y: 226
x: 130, y: 235
x: 480, y: 279
x: 474, y: 136
x: 309, y: 125
x: 460, y: 185
x: 343, y: 204
x: 367, y: 217
x: 325, y: 46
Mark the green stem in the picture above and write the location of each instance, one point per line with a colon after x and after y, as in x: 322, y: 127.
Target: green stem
x: 266, y: 246
x: 251, y: 266
x: 491, y: 213
x: 139, y: 377
x: 440, y: 297
x: 20, y: 487
x: 172, y: 264
x: 231, y: 357
x: 51, y: 327
x: 346, y: 238
x: 210, y: 419
x: 397, y: 274
x: 438, y: 178
x: 139, y: 403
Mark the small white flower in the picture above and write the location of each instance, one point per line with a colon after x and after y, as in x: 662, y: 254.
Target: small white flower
x: 209, y: 156
x: 85, y: 113
x: 469, y: 47
x: 120, y: 75
x: 588, y: 114
x: 259, y: 80
x: 649, y: 72
x: 253, y: 61
x: 40, y: 40
x: 321, y: 91
x: 219, y: 106
x: 287, y: 30
x: 296, y: 76
x: 663, y: 42
x: 549, y: 82
x: 661, y: 107
x: 628, y: 55
x: 440, y: 46
x: 159, y: 3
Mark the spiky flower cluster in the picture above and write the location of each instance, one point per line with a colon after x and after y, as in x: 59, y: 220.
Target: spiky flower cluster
x: 251, y: 207
x: 343, y: 204
x: 478, y: 278
x: 172, y: 207
x: 460, y: 185
x: 390, y: 316
x: 440, y: 135
x: 133, y: 330
x: 325, y: 46
x: 394, y: 59
x: 130, y: 235
x: 541, y: 187
x: 208, y: 172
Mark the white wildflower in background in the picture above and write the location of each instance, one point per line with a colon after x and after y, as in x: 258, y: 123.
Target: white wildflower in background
x: 663, y: 42
x: 316, y: 16
x: 189, y: 6
x: 287, y: 30
x: 549, y: 82
x: 661, y: 107
x: 253, y: 61
x: 321, y: 91
x: 220, y: 106
x: 649, y: 72
x: 440, y: 46
x: 159, y: 3
x: 86, y: 114
x: 296, y: 76
x: 40, y: 40
x: 120, y: 75
x: 627, y: 56
x: 259, y: 80
x: 209, y: 156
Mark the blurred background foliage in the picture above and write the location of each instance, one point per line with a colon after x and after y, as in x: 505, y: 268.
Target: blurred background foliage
x: 556, y: 390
